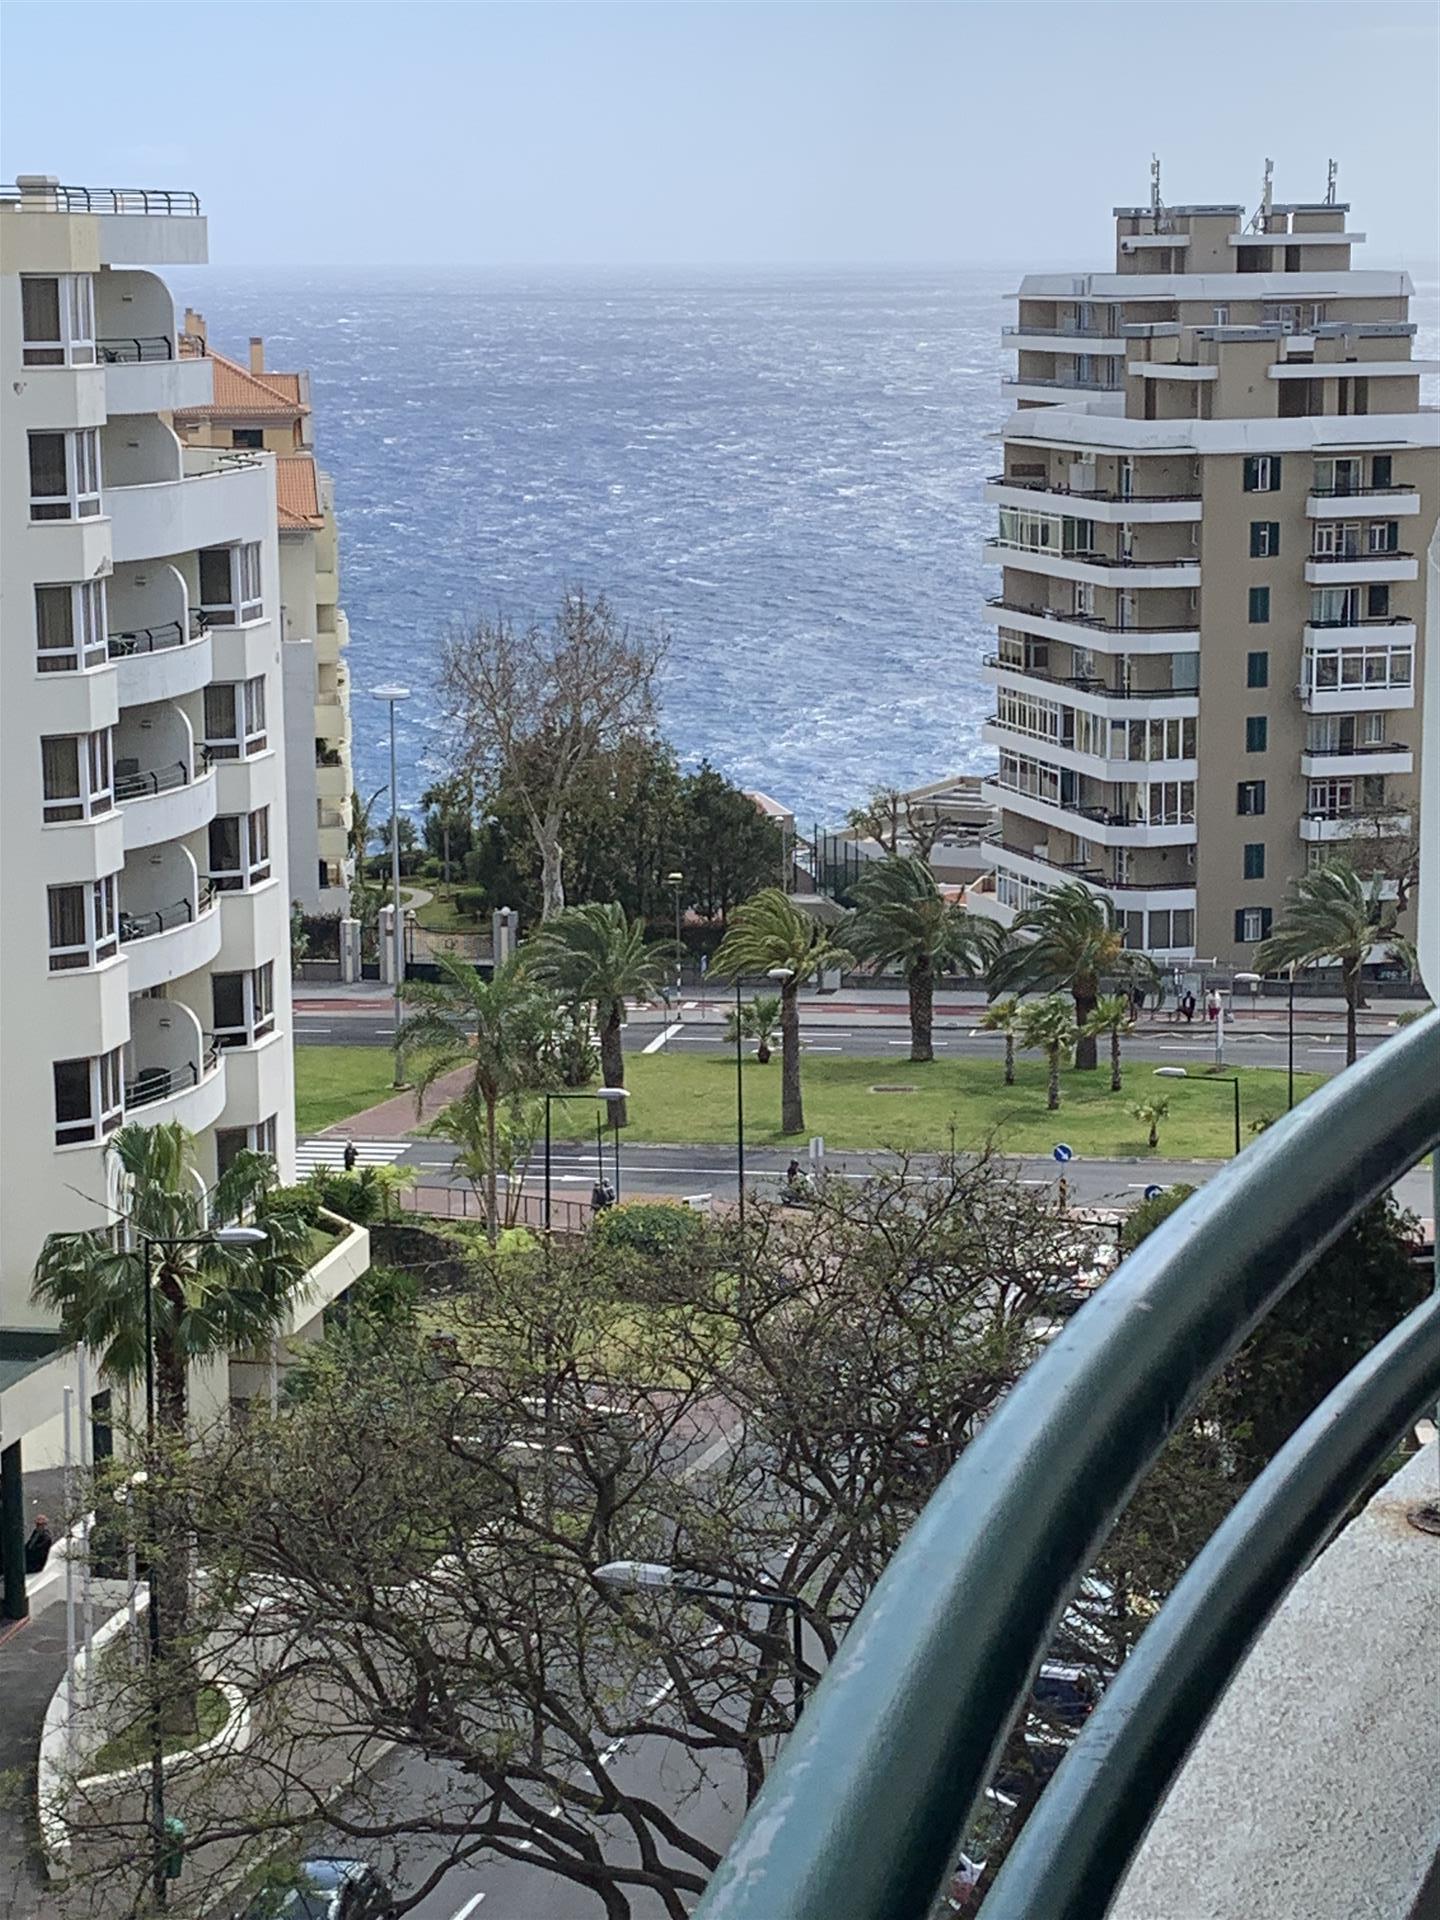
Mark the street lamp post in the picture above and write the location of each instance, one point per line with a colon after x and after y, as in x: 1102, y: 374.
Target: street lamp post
x: 739, y: 1104
x: 641, y: 1576
x: 392, y: 696
x: 219, y: 1237
x: 1211, y: 1079
x: 608, y: 1094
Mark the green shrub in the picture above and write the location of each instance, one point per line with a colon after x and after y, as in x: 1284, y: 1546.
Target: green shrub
x: 1142, y: 1221
x: 653, y: 1227
x: 469, y: 902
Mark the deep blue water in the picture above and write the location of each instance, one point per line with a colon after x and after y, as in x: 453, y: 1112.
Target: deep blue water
x: 785, y: 471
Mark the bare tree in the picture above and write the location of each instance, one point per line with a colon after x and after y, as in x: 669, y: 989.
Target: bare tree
x: 536, y: 706
x: 901, y: 824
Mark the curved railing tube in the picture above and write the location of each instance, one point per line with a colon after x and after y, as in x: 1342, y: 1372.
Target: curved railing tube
x: 1077, y: 1845
x: 867, y: 1804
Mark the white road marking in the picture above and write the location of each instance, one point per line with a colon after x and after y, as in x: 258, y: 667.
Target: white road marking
x: 665, y: 1033
x: 462, y: 1913
x: 310, y: 1154
x: 814, y: 1046
x: 300, y: 1027
x: 688, y: 1006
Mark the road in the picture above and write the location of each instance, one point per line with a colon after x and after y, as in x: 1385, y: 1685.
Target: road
x: 881, y: 1032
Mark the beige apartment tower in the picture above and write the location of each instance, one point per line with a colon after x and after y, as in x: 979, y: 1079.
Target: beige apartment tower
x: 1216, y: 491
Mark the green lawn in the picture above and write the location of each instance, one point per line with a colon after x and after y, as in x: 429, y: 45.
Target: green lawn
x: 331, y: 1083
x: 132, y: 1747
x: 691, y: 1098
x: 440, y: 914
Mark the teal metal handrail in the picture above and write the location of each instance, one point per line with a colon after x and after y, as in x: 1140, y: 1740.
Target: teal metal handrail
x: 1093, y: 1815
x: 866, y: 1806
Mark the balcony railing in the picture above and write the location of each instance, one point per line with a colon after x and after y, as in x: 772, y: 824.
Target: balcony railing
x: 1091, y: 558
x: 119, y: 352
x: 1083, y: 386
x: 1102, y: 816
x: 160, y: 1083
x: 1057, y: 332
x: 172, y: 633
x: 1362, y: 620
x: 1089, y: 683
x: 1350, y: 559
x: 1072, y: 619
x: 1092, y: 493
x: 1346, y: 493
x: 51, y: 199
x: 1095, y: 876
x: 866, y: 1807
x: 181, y: 913
x: 179, y: 773
x: 1355, y: 746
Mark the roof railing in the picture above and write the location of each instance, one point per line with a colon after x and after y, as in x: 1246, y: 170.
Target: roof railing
x: 48, y: 197
x: 868, y: 1803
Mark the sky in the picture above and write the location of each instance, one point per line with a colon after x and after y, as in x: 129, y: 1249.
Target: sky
x: 684, y: 132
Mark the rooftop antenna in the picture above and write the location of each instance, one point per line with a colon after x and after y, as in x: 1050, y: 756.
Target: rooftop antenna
x: 1155, y: 183
x: 1331, y: 181
x: 1261, y: 221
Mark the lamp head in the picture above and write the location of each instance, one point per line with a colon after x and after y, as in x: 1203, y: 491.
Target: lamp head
x: 674, y: 879
x: 390, y: 691
x: 239, y: 1236
x: 1171, y: 1073
x: 634, y: 1576
x: 612, y: 1093
x: 781, y: 974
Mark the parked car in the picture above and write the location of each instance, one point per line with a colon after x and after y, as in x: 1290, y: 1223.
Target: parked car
x: 325, y: 1889
x: 1065, y: 1693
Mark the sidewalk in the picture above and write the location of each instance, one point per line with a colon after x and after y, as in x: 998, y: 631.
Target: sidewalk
x: 32, y: 1665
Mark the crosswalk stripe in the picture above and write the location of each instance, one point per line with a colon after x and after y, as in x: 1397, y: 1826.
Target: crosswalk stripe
x: 310, y: 1154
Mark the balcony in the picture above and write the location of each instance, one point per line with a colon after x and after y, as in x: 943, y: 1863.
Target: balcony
x: 1058, y: 340
x: 1047, y: 392
x: 1089, y: 630
x: 1353, y: 762
x: 331, y: 717
x: 1103, y: 505
x: 213, y: 498
x: 1349, y: 569
x: 171, y: 1072
x: 1337, y: 503
x: 1097, y: 569
x: 1331, y: 823
x: 166, y: 802
x: 165, y: 943
x: 1094, y: 695
x: 1134, y: 894
x: 1094, y: 766
x: 1102, y: 824
x: 147, y: 373
x: 162, y: 662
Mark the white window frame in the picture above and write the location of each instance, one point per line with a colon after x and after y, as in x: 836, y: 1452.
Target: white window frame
x: 248, y: 698
x: 245, y: 600
x: 95, y: 780
x: 107, y: 1101
x: 257, y: 992
x: 1252, y: 924
x: 101, y: 918
x: 81, y: 498
x: 88, y: 648
x: 254, y: 848
x: 75, y: 300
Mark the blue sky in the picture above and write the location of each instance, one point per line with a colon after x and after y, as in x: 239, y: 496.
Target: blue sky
x: 681, y: 131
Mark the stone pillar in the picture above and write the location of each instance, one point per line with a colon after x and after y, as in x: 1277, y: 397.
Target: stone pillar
x: 504, y: 932
x: 387, y: 945
x: 14, y: 1603
x: 350, y: 951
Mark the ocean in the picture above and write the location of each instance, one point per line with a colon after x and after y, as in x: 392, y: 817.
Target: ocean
x: 782, y: 470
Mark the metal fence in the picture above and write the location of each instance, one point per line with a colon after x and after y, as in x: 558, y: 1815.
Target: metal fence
x: 567, y: 1217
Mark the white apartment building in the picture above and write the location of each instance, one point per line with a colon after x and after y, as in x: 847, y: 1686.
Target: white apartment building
x: 254, y: 407
x: 145, y: 938
x: 1215, y: 490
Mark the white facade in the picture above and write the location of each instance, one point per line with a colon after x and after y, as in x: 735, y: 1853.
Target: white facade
x: 144, y: 944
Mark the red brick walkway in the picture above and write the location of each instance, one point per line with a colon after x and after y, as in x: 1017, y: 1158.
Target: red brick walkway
x: 396, y: 1118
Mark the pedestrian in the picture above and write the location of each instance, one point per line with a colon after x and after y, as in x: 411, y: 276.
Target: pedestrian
x: 352, y: 1154
x: 1212, y: 1006
x: 37, y: 1547
x: 1187, y: 1007
x: 602, y: 1195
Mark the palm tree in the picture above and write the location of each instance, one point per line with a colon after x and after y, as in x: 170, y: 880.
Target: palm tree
x: 1152, y: 1112
x: 1049, y: 1026
x: 768, y: 932
x: 903, y: 920
x: 1004, y: 1016
x: 1331, y: 916
x: 498, y: 1028
x: 595, y: 955
x: 1113, y: 1013
x: 206, y: 1300
x: 757, y: 1021
x: 1078, y: 941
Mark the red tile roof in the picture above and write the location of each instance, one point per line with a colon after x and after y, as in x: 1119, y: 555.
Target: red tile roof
x: 240, y: 394
x: 297, y: 492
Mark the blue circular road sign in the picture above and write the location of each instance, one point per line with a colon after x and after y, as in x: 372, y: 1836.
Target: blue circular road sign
x: 1064, y: 1153
x: 1152, y: 1192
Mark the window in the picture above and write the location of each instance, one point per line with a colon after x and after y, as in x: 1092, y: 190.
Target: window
x: 75, y: 775
x: 1264, y: 539
x: 82, y: 924
x: 1382, y: 466
x: 232, y: 1141
x: 252, y: 437
x: 70, y: 628
x: 1255, y: 860
x: 1335, y: 607
x: 1336, y: 540
x: 229, y: 706
x: 230, y: 584
x: 1262, y: 473
x: 1377, y: 602
x: 1250, y: 797
x: 1252, y: 923
x: 1257, y: 669
x: 1259, y: 607
x: 1220, y: 316
x: 1337, y: 667
x: 239, y: 850
x: 1382, y: 536
x: 65, y: 474
x: 243, y: 1005
x: 1169, y: 803
x: 1257, y: 729
x: 89, y: 1098
x: 58, y: 320
x: 259, y: 836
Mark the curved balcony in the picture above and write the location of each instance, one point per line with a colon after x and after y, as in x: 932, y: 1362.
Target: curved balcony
x: 1084, y: 690
x: 1101, y: 504
x: 996, y: 732
x: 1102, y: 824
x: 166, y: 802
x: 147, y: 375
x: 1096, y: 569
x: 168, y: 942
x: 219, y: 497
x: 1132, y: 894
x: 171, y: 1071
x: 162, y: 662
x: 1089, y: 630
